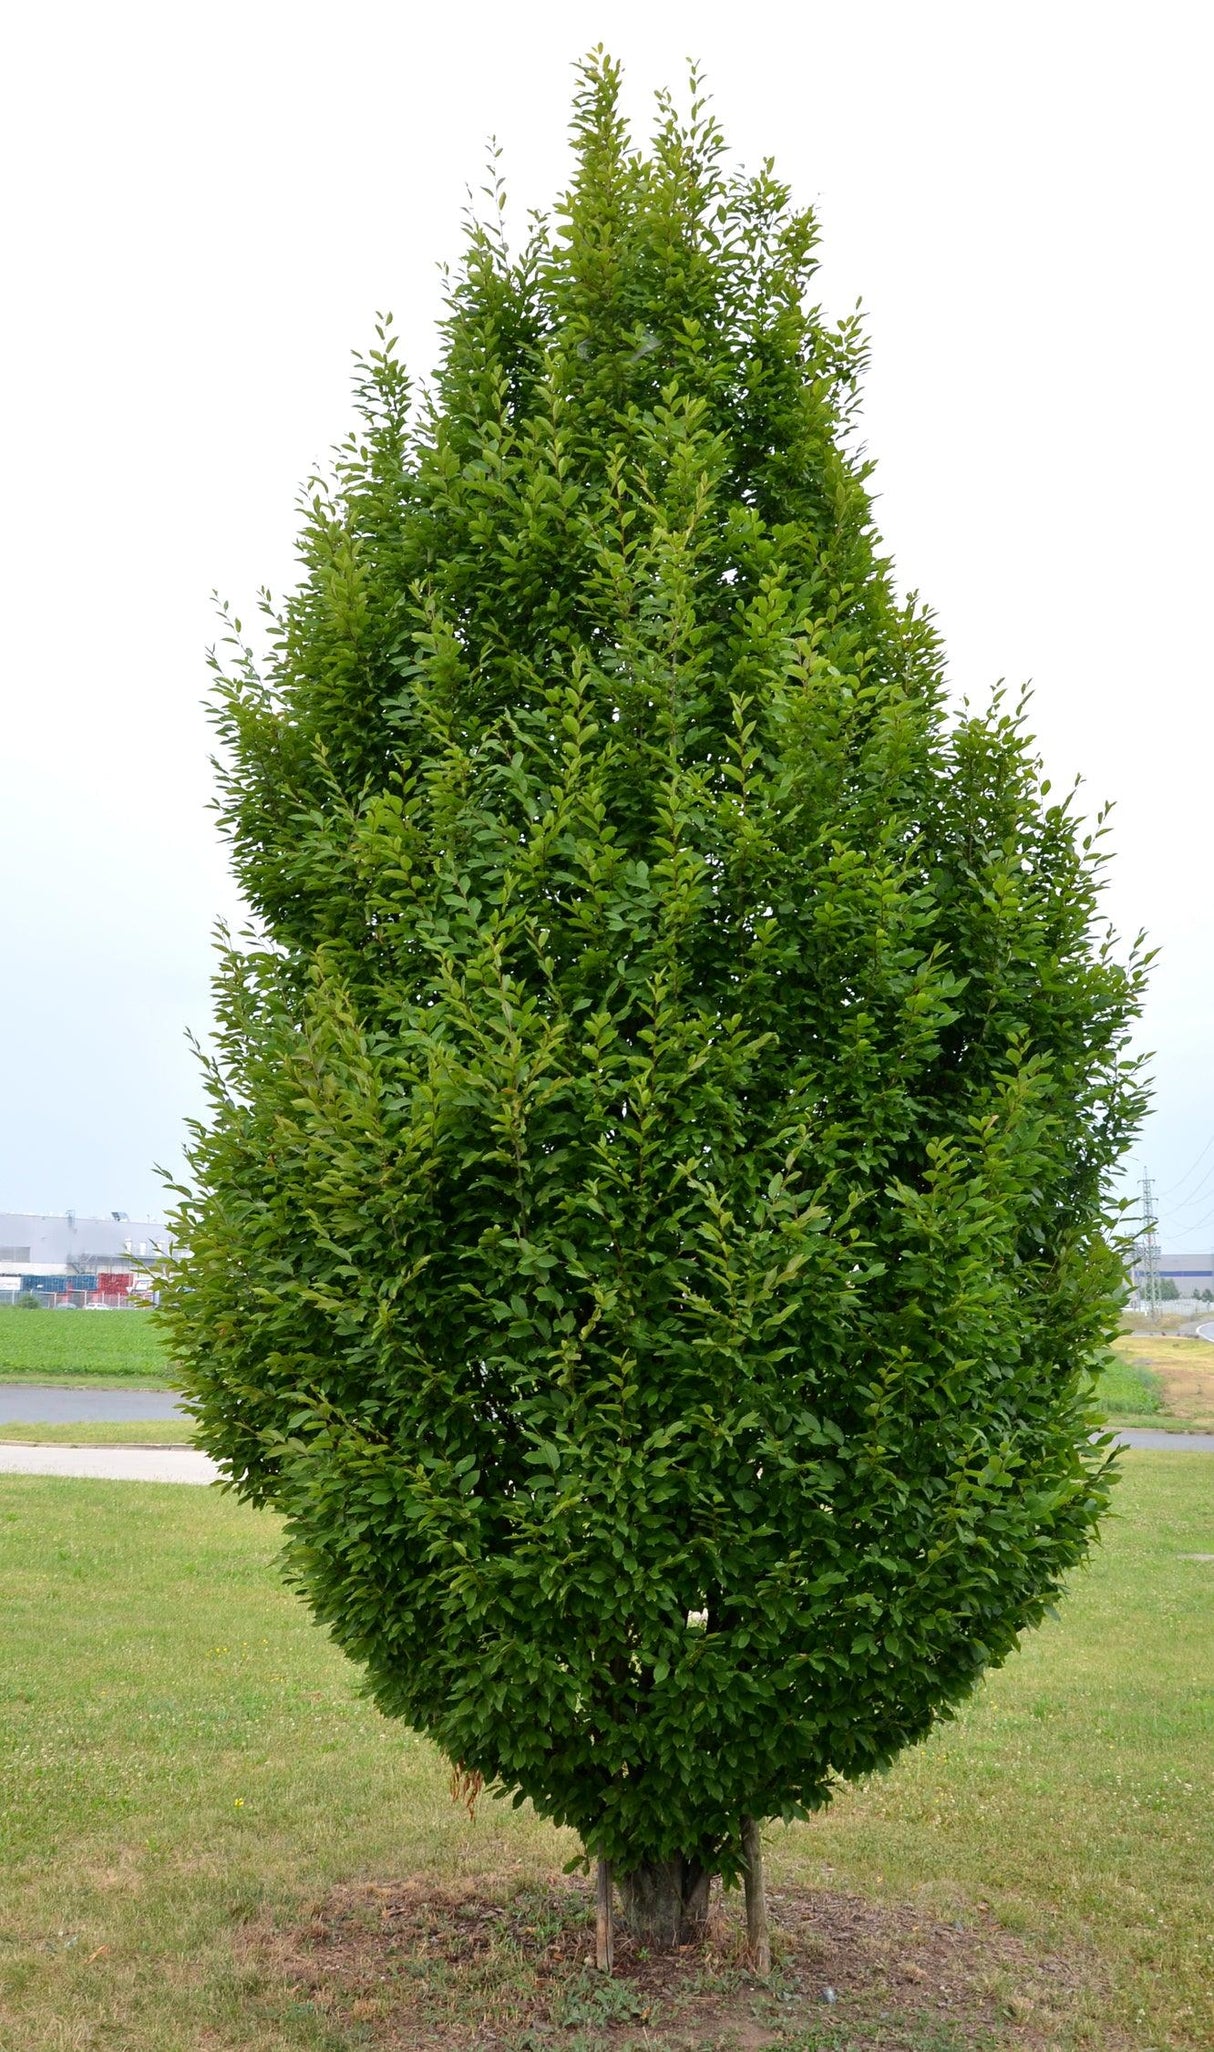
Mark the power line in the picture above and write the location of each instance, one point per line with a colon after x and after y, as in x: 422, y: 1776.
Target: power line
x: 1182, y: 1180
x: 1187, y: 1203
x: 1201, y: 1223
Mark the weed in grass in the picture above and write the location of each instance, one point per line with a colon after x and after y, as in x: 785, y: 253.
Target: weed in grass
x: 595, y: 1998
x: 886, y: 2033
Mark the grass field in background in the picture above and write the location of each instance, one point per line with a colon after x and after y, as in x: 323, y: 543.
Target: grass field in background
x: 1181, y: 1370
x: 84, y: 1346
x: 1129, y: 1389
x: 181, y: 1752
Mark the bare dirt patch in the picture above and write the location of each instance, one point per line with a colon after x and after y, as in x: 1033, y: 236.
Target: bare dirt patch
x: 410, y: 1967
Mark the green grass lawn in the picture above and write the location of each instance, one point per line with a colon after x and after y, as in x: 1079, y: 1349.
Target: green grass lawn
x: 182, y: 1752
x: 98, y: 1432
x: 82, y: 1346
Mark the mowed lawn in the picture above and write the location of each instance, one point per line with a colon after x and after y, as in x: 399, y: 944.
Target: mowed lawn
x: 82, y: 1346
x: 182, y: 1752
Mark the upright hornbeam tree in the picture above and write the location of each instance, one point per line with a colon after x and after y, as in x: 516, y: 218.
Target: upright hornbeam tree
x: 650, y: 1225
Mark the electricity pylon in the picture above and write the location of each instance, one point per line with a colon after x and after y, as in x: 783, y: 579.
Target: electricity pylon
x: 1148, y: 1254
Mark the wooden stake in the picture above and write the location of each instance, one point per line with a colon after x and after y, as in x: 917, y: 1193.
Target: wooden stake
x: 604, y: 1935
x: 758, y: 1937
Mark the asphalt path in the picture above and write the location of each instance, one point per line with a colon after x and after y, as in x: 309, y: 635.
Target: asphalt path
x: 110, y: 1463
x: 28, y: 1403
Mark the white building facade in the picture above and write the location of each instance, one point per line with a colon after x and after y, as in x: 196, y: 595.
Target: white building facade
x: 66, y: 1259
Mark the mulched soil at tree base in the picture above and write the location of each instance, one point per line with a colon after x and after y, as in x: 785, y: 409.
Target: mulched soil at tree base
x: 416, y: 1968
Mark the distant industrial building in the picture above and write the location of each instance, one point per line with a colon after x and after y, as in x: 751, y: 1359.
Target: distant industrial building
x: 1191, y: 1277
x: 86, y: 1261
x: 1189, y: 1272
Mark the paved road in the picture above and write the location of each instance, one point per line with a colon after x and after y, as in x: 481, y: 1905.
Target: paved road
x: 28, y: 1403
x: 1171, y: 1442
x: 110, y: 1463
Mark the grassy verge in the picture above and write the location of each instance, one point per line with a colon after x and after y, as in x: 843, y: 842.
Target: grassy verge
x: 101, y: 1432
x: 1131, y: 1393
x: 82, y: 1346
x: 1129, y: 1389
x: 1180, y: 1369
x: 190, y: 1782
x: 13, y: 1379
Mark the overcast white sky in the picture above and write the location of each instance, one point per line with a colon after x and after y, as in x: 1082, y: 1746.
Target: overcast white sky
x: 205, y: 206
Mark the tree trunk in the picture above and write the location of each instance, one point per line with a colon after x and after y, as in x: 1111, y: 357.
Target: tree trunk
x: 665, y: 1902
x: 758, y: 1937
x: 604, y: 1946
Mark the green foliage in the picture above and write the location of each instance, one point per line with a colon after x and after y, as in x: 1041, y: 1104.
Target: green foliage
x: 1166, y: 1289
x: 650, y: 1226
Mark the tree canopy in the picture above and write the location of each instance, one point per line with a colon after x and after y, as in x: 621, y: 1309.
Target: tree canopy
x: 650, y: 1227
